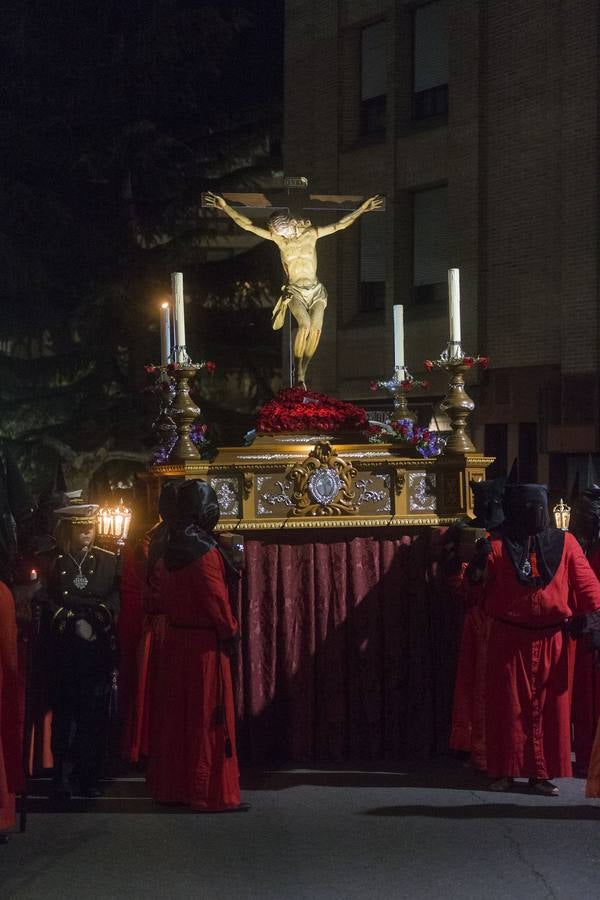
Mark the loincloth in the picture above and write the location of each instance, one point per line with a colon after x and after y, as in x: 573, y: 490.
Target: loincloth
x: 307, y: 296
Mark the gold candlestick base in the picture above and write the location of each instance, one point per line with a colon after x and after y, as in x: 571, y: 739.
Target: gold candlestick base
x: 184, y: 413
x: 458, y: 405
x: 401, y: 410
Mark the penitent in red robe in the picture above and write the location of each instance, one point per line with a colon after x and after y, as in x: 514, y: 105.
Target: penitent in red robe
x: 586, y: 693
x: 468, y: 710
x: 129, y: 632
x: 193, y: 756
x: 11, y: 768
x: 149, y: 652
x: 528, y: 683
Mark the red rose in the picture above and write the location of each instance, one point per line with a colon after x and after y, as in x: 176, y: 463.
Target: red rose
x: 468, y: 361
x: 172, y: 367
x: 484, y: 361
x: 425, y: 385
x: 150, y: 369
x: 210, y: 366
x: 428, y: 365
x: 295, y: 409
x: 406, y: 385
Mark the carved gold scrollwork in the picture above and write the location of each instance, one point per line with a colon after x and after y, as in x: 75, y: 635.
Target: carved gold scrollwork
x: 322, y: 485
x: 248, y: 484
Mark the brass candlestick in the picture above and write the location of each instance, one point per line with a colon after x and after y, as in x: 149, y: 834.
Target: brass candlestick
x: 183, y: 412
x: 398, y: 386
x: 457, y: 403
x: 178, y: 411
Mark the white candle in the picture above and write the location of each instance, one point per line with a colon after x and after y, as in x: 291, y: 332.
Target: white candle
x: 454, y: 304
x: 165, y: 334
x: 177, y: 291
x: 399, y: 336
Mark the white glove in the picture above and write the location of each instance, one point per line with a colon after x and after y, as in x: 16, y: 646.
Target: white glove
x: 84, y: 630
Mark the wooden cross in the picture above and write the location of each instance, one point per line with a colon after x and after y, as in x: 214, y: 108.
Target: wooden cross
x: 294, y: 198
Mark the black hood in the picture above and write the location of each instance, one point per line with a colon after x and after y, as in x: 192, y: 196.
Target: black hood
x: 167, y: 510
x: 487, y: 503
x: 526, y: 509
x: 586, y: 516
x: 190, y: 533
x: 526, y: 531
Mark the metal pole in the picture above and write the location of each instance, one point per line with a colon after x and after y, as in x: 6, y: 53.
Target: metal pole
x: 290, y: 351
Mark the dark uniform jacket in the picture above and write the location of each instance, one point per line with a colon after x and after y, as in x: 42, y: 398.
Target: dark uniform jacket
x: 99, y: 599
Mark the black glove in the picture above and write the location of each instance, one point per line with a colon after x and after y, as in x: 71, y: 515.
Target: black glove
x: 476, y: 567
x: 483, y: 548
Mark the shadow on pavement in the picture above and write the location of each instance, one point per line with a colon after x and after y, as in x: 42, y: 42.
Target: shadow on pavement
x: 491, y: 811
x: 446, y: 775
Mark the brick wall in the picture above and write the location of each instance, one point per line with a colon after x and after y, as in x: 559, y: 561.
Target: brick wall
x: 519, y: 153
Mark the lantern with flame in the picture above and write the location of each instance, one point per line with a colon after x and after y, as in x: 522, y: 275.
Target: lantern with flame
x: 113, y: 524
x: 562, y: 515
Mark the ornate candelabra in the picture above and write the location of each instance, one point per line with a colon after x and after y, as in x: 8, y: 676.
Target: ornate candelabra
x: 457, y: 403
x: 178, y: 411
x: 183, y: 412
x: 398, y: 386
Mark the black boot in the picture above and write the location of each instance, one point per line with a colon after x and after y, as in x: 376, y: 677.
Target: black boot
x: 61, y: 789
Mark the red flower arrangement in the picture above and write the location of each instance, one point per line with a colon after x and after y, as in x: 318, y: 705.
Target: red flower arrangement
x: 467, y: 361
x: 295, y: 409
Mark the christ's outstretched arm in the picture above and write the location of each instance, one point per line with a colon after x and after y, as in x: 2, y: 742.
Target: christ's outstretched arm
x: 372, y: 203
x: 244, y: 222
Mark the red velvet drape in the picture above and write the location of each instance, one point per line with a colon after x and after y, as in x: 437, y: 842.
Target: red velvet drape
x: 348, y: 647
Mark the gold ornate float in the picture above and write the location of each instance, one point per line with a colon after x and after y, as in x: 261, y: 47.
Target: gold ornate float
x: 319, y: 481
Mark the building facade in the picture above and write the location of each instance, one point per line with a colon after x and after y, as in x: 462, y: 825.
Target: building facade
x: 478, y: 119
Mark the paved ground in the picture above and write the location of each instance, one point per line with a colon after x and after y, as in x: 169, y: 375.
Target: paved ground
x: 418, y: 832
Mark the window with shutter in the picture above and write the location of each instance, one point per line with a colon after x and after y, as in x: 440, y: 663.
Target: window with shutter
x: 430, y: 244
x: 430, y: 61
x: 372, y: 263
x: 373, y: 77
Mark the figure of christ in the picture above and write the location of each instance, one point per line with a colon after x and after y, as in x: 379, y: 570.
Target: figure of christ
x: 302, y: 292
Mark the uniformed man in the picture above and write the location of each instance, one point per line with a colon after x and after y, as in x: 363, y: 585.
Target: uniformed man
x: 84, y: 600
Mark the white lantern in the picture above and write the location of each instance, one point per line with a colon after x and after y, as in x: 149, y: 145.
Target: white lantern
x: 114, y: 522
x: 562, y: 515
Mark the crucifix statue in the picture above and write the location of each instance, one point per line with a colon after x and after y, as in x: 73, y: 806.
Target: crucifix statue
x: 296, y: 237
